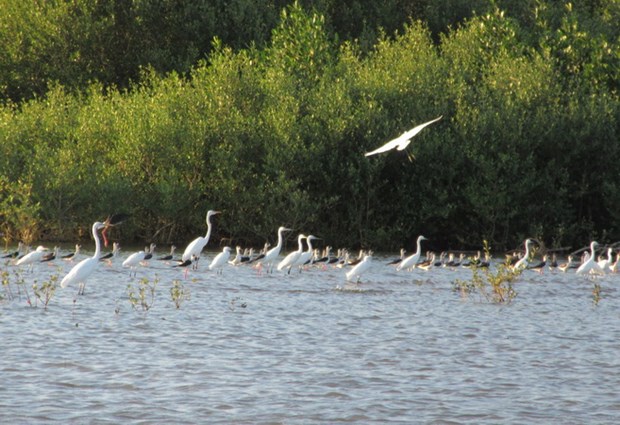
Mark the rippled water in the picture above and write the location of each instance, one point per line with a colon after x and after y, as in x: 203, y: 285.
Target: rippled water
x: 401, y: 347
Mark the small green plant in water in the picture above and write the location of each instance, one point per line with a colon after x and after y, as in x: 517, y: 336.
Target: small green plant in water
x: 495, y: 286
x: 179, y: 293
x: 596, y: 293
x: 45, y: 292
x: 6, y: 284
x: 142, y: 297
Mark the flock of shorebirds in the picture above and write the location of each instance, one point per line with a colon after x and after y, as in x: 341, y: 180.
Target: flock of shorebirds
x: 269, y: 258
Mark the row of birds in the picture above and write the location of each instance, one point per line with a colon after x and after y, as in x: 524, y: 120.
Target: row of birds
x: 191, y: 255
x: 269, y: 258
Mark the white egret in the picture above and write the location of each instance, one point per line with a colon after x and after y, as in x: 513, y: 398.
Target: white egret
x: 590, y: 265
x: 291, y: 259
x: 220, y: 259
x: 196, y: 246
x: 32, y: 257
x: 605, y: 263
x: 80, y: 272
x: 524, y: 261
x: 412, y: 260
x: 271, y: 255
x: 402, y: 141
x: 307, y: 255
x: 136, y: 258
x: 361, y: 267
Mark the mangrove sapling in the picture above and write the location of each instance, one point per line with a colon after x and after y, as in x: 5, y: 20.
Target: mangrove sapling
x: 596, y: 293
x: 144, y: 296
x: 6, y: 284
x: 21, y: 287
x: 495, y: 286
x: 179, y: 293
x: 45, y: 292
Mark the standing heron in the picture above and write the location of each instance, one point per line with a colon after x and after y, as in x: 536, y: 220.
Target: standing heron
x: 270, y: 256
x: 590, y: 265
x: 220, y: 260
x: 361, y: 267
x: 412, y: 260
x: 524, y: 261
x: 291, y: 259
x: 82, y: 270
x: 196, y: 246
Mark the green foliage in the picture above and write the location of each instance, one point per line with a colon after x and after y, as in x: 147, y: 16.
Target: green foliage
x: 46, y: 290
x: 179, y: 293
x: 19, y: 214
x: 142, y: 296
x: 495, y: 286
x: 159, y: 115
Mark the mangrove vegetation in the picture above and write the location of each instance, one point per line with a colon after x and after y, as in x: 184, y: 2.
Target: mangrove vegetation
x: 263, y: 109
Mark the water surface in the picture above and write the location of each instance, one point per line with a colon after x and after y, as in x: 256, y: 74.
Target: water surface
x: 400, y: 347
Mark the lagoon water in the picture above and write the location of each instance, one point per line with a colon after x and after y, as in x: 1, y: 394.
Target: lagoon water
x: 400, y: 347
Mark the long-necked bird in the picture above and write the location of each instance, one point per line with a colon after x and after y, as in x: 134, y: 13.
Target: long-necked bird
x: 80, y: 272
x: 361, y: 267
x: 196, y: 246
x: 412, y: 260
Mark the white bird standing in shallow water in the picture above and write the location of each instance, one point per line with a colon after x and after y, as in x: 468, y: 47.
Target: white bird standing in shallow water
x: 32, y: 257
x: 195, y: 247
x: 84, y: 268
x: 220, y: 259
x: 402, y: 141
x: 524, y: 261
x: 590, y: 265
x: 361, y: 267
x: 306, y: 256
x: 412, y: 260
x: 271, y: 255
x: 291, y: 259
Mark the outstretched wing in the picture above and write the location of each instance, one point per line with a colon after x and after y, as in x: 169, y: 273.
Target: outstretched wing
x: 415, y: 130
x: 402, y: 141
x: 396, y: 143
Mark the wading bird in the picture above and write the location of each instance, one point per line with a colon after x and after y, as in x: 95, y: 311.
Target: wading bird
x: 291, y: 259
x: 73, y: 255
x: 32, y: 257
x: 196, y: 246
x: 80, y: 272
x: 412, y: 260
x: 220, y: 260
x: 402, y: 141
x: 590, y: 265
x: 271, y: 255
x: 357, y: 271
x: 525, y: 260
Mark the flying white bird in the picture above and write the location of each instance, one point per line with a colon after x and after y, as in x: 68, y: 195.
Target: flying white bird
x: 402, y: 141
